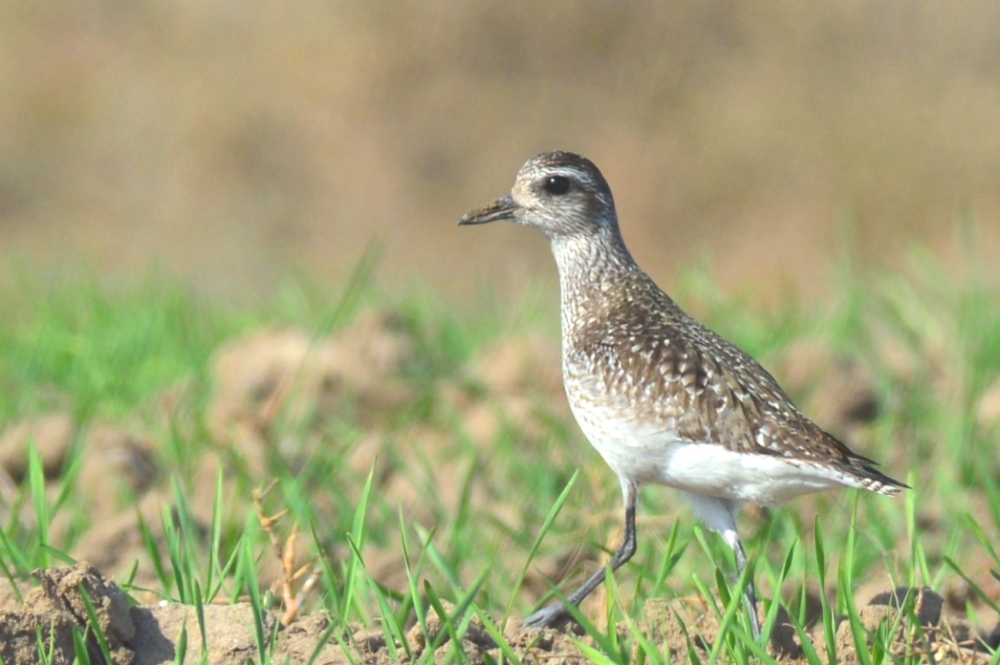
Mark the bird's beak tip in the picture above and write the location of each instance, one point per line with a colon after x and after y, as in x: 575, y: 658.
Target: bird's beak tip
x: 503, y: 208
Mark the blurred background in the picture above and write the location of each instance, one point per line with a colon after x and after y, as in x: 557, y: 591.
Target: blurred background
x: 232, y: 143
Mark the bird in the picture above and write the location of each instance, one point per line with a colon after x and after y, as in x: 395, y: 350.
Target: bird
x: 662, y: 398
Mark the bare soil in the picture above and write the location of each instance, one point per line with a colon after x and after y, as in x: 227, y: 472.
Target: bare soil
x: 151, y: 634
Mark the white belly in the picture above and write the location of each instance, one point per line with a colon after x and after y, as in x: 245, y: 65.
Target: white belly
x: 708, y: 469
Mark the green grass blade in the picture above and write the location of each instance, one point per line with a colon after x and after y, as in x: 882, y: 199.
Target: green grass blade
x: 94, y: 625
x: 671, y: 557
x: 605, y: 642
x: 449, y: 632
x: 357, y: 283
x: 173, y: 540
x: 983, y: 596
x: 828, y: 618
x: 983, y: 539
x: 36, y: 481
x: 43, y: 655
x: 771, y: 618
x: 22, y: 565
x: 357, y: 538
x: 153, y: 550
x: 732, y: 601
x: 180, y: 650
x: 808, y: 650
x: 845, y: 591
x: 437, y: 559
x: 646, y: 649
x: 389, y: 623
x: 692, y: 651
x: 328, y: 576
x: 249, y: 572
x: 593, y: 655
x: 546, y: 525
x: 214, y: 576
x: 491, y: 628
x: 321, y: 643
x: 199, y: 610
x: 80, y: 647
x: 411, y: 580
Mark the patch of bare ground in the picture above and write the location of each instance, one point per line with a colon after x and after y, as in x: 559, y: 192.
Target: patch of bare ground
x: 151, y: 634
x: 682, y: 626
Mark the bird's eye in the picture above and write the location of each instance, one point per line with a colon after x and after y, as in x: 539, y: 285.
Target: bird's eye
x: 557, y: 185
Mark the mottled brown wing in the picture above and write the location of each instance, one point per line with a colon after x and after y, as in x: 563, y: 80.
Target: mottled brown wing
x: 677, y: 371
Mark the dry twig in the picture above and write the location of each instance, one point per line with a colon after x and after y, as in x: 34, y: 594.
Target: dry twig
x: 285, y: 552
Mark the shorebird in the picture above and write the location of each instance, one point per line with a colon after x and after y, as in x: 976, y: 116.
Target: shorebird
x: 662, y: 398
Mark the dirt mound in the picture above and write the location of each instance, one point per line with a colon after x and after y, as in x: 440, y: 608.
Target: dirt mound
x: 51, y: 436
x: 356, y: 371
x: 57, y: 609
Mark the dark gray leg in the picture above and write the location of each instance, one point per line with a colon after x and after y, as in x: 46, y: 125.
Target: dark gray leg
x: 558, y: 614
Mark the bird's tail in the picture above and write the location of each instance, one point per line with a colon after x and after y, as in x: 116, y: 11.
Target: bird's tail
x: 873, y: 480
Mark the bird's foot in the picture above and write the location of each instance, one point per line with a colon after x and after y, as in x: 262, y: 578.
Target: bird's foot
x: 553, y: 616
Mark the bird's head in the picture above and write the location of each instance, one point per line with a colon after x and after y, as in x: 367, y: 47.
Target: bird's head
x: 559, y: 193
